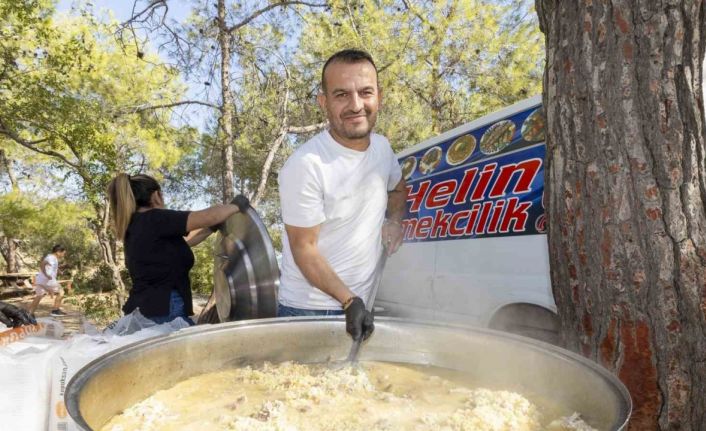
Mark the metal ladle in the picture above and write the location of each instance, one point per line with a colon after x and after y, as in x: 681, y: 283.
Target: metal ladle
x: 355, y: 347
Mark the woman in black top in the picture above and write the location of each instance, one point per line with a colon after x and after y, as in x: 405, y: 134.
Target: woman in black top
x: 157, y: 245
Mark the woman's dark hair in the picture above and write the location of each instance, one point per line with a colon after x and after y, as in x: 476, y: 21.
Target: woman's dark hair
x: 58, y: 247
x: 126, y: 194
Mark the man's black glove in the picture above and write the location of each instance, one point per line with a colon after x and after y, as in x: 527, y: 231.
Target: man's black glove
x: 13, y: 316
x: 242, y: 202
x: 359, y: 321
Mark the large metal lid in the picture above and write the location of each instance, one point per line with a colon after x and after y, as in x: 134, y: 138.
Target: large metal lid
x: 245, y: 271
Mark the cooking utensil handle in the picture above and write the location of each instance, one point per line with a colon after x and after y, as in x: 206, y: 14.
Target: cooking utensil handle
x: 378, y: 278
x: 355, y: 347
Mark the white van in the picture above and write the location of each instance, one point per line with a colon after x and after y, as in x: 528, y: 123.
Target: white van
x: 475, y: 247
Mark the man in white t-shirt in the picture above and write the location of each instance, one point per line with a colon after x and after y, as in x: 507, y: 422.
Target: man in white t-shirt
x: 342, y: 197
x: 46, y: 281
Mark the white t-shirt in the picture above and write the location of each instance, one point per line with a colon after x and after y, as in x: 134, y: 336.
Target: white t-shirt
x: 344, y: 191
x: 51, y: 267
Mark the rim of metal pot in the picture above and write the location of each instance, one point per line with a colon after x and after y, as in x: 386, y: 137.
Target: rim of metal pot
x: 258, y: 286
x: 71, y: 394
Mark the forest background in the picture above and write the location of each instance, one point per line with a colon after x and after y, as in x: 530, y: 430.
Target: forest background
x: 211, y: 97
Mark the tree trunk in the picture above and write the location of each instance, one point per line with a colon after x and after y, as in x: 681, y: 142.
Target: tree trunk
x: 625, y: 193
x: 6, y: 164
x: 227, y: 108
x: 12, y: 265
x: 107, y: 251
x: 8, y: 249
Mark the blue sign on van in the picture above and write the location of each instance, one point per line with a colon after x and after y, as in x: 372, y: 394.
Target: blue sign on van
x: 487, y: 182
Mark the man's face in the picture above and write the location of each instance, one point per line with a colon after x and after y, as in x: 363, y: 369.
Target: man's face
x: 351, y: 99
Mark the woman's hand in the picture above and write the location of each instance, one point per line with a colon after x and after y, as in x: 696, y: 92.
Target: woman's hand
x: 242, y: 202
x: 216, y: 214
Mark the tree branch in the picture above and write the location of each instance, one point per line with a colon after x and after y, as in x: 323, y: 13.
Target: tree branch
x: 149, y: 10
x: 267, y: 166
x: 274, y: 148
x: 269, y: 7
x: 137, y: 109
x: 299, y: 130
x: 414, y: 11
x: 32, y: 146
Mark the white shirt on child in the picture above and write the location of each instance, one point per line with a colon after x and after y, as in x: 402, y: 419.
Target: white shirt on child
x: 51, y: 267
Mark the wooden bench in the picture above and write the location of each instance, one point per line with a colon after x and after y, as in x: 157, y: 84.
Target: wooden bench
x: 16, y: 279
x: 16, y: 284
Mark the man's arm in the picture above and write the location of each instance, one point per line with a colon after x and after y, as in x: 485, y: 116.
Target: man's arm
x: 314, y: 266
x: 392, y: 229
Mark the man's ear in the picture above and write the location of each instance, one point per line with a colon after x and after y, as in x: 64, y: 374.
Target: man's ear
x: 379, y: 97
x: 321, y: 98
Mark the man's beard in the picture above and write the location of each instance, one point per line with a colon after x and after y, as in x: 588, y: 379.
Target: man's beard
x: 357, y: 133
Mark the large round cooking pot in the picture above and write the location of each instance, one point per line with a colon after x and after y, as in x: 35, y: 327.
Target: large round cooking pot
x: 119, y: 379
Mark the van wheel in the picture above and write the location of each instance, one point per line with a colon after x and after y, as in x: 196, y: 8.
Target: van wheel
x: 529, y: 321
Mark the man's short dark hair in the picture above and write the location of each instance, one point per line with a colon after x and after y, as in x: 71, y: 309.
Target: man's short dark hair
x: 347, y: 56
x: 57, y: 248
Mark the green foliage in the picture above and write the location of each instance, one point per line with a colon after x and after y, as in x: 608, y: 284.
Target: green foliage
x: 95, y: 278
x: 100, y: 309
x: 76, y: 96
x: 201, y: 274
x: 441, y: 63
x: 24, y: 24
x: 66, y: 223
x: 262, y: 73
x: 15, y: 210
x: 70, y: 93
x: 42, y: 224
x: 75, y: 102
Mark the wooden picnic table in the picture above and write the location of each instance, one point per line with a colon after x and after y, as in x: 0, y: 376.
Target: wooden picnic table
x: 17, y: 279
x: 15, y: 284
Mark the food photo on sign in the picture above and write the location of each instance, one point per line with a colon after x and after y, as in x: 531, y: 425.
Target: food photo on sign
x: 490, y: 189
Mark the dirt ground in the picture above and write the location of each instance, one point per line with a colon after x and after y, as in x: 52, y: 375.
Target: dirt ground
x: 74, y: 318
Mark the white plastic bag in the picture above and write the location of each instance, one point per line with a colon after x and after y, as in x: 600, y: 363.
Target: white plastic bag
x: 25, y: 379
x: 83, y: 348
x: 45, y: 328
x: 135, y: 321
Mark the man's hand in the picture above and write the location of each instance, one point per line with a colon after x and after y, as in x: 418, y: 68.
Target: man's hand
x: 13, y: 316
x: 392, y: 235
x: 359, y: 321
